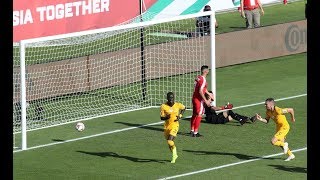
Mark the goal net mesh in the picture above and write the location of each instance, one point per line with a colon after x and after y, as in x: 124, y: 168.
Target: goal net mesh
x: 89, y: 76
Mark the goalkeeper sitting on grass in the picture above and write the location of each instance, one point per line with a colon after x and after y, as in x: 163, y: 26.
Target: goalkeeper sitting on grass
x: 225, y: 116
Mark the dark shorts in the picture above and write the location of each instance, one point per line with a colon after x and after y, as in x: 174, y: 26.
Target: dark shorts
x: 216, y: 119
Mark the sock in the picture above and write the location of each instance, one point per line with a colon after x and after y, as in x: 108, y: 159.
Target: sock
x: 197, y: 123
x: 289, y: 152
x: 174, y: 154
x: 174, y: 151
x: 279, y: 143
x: 192, y: 122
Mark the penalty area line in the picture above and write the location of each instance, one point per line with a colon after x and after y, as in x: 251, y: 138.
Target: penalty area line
x: 130, y: 128
x: 228, y: 165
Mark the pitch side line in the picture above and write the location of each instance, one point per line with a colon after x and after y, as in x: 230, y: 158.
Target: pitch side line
x: 130, y: 128
x: 228, y: 165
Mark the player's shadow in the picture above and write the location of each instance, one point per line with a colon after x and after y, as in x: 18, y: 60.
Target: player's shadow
x: 290, y: 168
x: 116, y: 155
x: 230, y: 123
x: 236, y: 123
x: 237, y: 155
x: 142, y: 126
x: 58, y: 140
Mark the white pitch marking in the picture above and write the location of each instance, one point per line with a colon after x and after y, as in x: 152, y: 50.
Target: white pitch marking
x: 228, y: 165
x: 151, y: 124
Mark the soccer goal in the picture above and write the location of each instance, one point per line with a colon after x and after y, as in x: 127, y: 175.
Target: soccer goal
x: 80, y: 76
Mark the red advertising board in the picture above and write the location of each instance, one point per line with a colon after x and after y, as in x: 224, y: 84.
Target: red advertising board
x: 39, y: 18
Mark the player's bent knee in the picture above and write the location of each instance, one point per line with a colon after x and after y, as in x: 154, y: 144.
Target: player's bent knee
x: 170, y: 143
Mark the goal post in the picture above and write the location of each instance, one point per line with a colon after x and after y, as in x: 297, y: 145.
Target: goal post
x: 23, y: 96
x: 213, y: 56
x: 84, y: 75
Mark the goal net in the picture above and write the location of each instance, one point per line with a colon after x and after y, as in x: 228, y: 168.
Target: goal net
x: 72, y: 77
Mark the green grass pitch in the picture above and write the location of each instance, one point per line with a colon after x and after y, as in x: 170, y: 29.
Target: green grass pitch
x: 142, y: 153
x: 113, y: 148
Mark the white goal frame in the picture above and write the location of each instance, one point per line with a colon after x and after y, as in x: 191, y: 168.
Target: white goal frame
x: 23, y: 44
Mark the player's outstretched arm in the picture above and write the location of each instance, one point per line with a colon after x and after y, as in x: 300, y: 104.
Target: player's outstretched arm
x: 225, y: 107
x: 291, y: 112
x: 264, y: 120
x: 217, y: 108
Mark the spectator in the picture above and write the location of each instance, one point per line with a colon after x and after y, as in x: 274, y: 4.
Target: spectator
x: 250, y: 9
x: 203, y: 23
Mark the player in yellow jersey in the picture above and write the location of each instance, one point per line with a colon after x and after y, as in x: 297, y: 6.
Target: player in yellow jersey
x: 171, y: 112
x: 282, y: 126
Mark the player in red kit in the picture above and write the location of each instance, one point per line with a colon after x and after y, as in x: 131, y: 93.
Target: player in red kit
x: 198, y: 100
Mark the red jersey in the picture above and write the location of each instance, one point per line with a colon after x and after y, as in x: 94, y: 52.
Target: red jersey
x: 250, y: 4
x: 199, y: 83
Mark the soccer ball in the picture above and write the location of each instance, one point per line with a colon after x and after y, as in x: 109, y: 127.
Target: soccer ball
x: 80, y: 126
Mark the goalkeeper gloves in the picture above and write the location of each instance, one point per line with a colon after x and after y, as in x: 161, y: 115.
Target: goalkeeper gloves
x: 227, y: 106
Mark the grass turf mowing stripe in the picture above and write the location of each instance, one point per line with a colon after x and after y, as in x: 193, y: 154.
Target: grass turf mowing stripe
x: 231, y: 164
x: 151, y: 124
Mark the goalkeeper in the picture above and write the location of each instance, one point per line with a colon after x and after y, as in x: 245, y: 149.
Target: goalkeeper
x: 225, y: 116
x: 171, y: 112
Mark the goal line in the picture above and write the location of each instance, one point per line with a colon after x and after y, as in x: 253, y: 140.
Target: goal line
x: 150, y: 124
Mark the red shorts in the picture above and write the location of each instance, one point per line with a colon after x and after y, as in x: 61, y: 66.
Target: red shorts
x: 198, y: 108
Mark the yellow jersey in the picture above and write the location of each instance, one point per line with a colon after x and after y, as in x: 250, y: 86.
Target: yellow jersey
x: 173, y: 111
x: 278, y: 116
